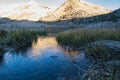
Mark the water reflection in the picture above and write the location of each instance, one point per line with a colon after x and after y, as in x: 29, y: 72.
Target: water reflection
x: 71, y: 52
x: 1, y: 59
x: 2, y: 51
x: 45, y: 60
x: 43, y: 44
x: 50, y: 43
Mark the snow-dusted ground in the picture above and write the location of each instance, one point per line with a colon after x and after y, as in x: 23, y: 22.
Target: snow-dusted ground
x: 8, y: 25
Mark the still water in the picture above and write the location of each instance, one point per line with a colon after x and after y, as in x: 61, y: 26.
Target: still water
x: 45, y: 60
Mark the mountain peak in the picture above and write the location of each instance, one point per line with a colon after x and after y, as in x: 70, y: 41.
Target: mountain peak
x: 74, y: 0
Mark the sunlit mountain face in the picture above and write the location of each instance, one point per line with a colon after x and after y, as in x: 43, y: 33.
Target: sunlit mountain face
x: 75, y: 9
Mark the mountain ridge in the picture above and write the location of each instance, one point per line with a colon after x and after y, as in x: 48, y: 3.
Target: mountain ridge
x: 34, y: 11
x: 74, y: 9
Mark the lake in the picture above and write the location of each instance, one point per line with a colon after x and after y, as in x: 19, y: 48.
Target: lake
x: 45, y: 60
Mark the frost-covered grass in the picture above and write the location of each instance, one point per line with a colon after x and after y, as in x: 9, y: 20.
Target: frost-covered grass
x: 56, y: 30
x: 101, y: 53
x: 102, y: 71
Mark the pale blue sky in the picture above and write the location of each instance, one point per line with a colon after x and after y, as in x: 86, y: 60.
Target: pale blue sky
x: 111, y: 4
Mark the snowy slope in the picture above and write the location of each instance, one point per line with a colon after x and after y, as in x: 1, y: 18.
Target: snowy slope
x: 74, y: 9
x: 31, y: 10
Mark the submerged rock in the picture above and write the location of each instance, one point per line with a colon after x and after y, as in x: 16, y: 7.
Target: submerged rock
x: 53, y: 56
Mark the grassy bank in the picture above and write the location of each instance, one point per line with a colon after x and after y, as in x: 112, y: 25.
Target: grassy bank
x: 18, y: 38
x: 84, y: 37
x: 80, y: 37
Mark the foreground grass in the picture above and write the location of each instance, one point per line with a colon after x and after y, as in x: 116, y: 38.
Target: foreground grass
x: 102, y: 71
x: 80, y: 37
x: 18, y: 39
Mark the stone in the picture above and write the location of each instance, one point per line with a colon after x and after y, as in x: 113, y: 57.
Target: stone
x: 110, y: 44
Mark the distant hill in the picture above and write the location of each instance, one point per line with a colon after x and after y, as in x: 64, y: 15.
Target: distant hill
x: 113, y: 16
x: 74, y: 9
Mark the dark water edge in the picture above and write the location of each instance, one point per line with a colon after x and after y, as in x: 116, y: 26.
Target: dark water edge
x: 45, y: 60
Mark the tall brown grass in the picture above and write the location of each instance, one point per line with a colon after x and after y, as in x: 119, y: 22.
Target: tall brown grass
x: 80, y: 37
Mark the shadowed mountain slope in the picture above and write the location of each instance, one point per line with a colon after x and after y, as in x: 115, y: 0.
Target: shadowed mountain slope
x: 112, y: 16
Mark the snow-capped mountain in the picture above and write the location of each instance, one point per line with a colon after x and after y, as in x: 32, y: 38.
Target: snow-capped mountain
x: 34, y: 11
x: 31, y: 10
x: 74, y: 9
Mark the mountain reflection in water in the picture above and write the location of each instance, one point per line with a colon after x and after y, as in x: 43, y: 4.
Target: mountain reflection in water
x: 45, y: 60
